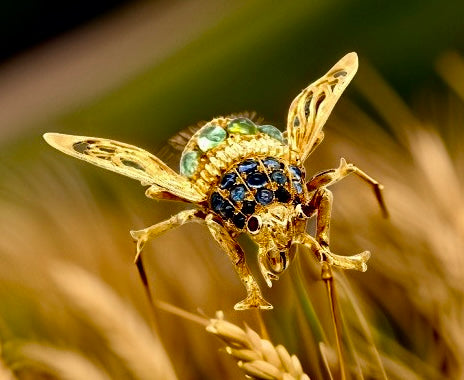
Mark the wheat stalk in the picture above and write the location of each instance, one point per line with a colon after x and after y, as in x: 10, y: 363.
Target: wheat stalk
x: 126, y: 332
x: 257, y: 357
x: 66, y: 364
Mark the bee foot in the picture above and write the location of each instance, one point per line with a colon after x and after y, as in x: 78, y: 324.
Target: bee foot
x: 269, y: 277
x: 345, y: 168
x: 253, y: 301
x: 356, y: 262
x: 140, y: 237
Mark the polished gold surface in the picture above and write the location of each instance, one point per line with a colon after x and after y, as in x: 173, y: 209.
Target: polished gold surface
x: 275, y: 224
x: 311, y: 108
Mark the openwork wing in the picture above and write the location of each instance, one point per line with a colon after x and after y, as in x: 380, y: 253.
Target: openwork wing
x: 127, y: 160
x: 311, y: 108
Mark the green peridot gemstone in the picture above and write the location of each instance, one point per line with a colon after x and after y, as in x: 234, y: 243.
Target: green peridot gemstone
x: 242, y: 126
x: 210, y: 137
x: 189, y: 163
x: 271, y: 131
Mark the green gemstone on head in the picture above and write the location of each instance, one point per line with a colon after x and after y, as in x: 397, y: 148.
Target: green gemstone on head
x: 242, y: 126
x: 210, y: 137
x: 189, y: 163
x: 272, y: 131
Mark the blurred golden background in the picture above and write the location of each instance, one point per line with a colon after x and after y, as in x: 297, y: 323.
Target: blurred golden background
x: 71, y: 303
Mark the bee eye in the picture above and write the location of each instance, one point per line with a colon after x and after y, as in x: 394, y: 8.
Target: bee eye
x: 254, y: 225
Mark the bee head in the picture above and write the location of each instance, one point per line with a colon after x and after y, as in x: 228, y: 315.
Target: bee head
x: 273, y: 230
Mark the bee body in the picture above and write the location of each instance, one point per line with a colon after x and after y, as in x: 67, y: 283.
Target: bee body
x: 242, y: 168
x: 244, y: 177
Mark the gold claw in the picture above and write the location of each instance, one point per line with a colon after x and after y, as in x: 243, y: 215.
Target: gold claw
x: 356, y: 262
x: 253, y: 301
x: 141, y: 238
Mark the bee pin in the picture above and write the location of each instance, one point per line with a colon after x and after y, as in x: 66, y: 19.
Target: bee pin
x: 245, y: 178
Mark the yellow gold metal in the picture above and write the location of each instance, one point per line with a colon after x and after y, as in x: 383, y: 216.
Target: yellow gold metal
x: 127, y: 160
x: 254, y: 298
x: 242, y: 180
x: 311, y: 108
x: 143, y: 236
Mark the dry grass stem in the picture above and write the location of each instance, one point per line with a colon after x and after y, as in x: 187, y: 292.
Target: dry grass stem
x: 128, y: 335
x: 65, y: 364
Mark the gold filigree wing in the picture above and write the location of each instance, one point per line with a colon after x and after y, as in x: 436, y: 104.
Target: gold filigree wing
x: 311, y: 108
x: 127, y: 160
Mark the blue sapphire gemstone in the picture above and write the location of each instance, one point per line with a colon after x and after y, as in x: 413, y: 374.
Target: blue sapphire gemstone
x: 239, y: 220
x: 264, y: 196
x: 256, y: 180
x: 227, y: 210
x: 282, y: 195
x: 248, y: 207
x: 297, y: 186
x: 247, y: 166
x: 296, y: 172
x: 228, y: 180
x: 272, y: 163
x: 216, y: 202
x: 237, y: 193
x: 279, y: 177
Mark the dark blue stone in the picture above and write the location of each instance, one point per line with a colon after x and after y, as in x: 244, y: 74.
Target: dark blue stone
x: 282, y: 195
x: 228, y: 180
x: 297, y: 186
x: 247, y: 166
x: 216, y: 202
x: 256, y: 180
x: 279, y: 177
x: 264, y: 196
x: 296, y: 172
x: 237, y: 193
x: 248, y: 207
x: 272, y: 163
x: 239, y: 220
x: 227, y: 210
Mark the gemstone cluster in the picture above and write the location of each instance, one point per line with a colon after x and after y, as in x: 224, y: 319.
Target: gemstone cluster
x: 211, y: 135
x: 254, y: 184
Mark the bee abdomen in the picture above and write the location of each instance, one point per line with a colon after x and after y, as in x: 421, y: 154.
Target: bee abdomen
x: 254, y: 184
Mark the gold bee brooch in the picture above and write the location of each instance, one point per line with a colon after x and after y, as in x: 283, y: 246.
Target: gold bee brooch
x: 245, y: 178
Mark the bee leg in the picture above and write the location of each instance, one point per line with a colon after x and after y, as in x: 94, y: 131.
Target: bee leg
x: 254, y: 297
x: 356, y: 262
x: 268, y: 275
x: 322, y: 203
x: 143, y: 236
x: 329, y: 177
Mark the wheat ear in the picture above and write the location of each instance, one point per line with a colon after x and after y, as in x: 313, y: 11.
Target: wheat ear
x: 257, y: 357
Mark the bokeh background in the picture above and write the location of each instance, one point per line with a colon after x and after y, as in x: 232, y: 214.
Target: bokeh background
x: 71, y: 303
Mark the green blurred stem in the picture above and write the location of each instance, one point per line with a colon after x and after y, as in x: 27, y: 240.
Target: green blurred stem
x: 327, y: 277
x: 307, y: 306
